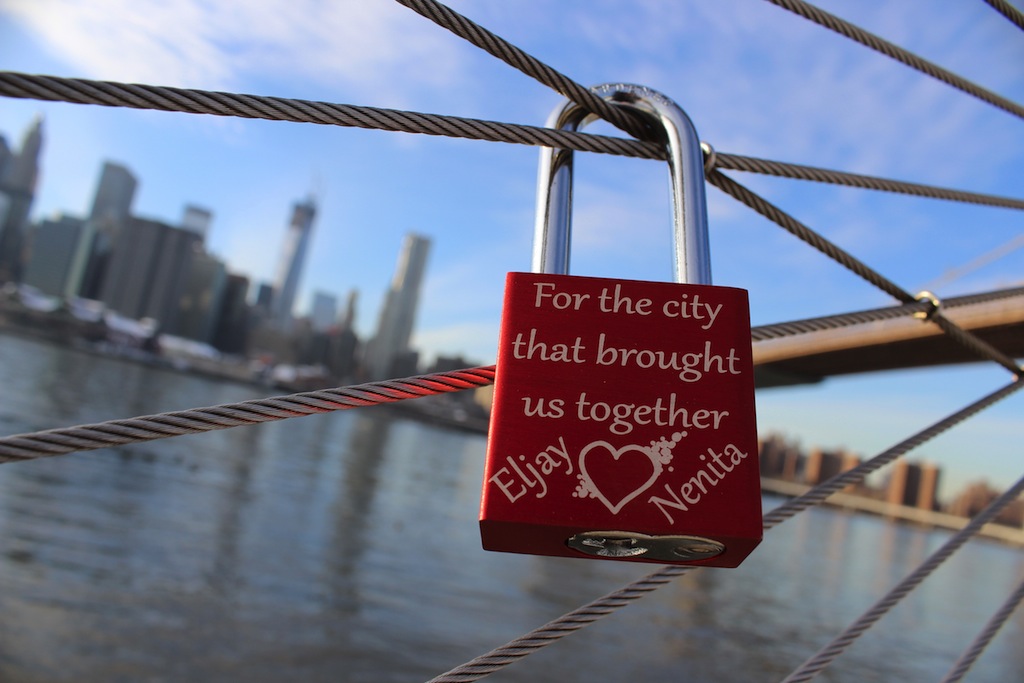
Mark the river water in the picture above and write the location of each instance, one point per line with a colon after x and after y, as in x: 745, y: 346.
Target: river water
x: 344, y: 547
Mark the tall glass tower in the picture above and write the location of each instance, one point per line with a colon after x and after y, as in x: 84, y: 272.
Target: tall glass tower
x: 293, y: 256
x: 397, y: 317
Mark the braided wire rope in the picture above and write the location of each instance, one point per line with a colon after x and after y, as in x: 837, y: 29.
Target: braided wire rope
x: 162, y: 98
x: 736, y: 162
x: 510, y: 54
x: 150, y: 427
x: 847, y: 260
x: 868, y: 39
x: 826, y: 655
x: 978, y: 645
x: 583, y: 616
x: 831, y: 322
x: 1008, y: 11
x: 191, y: 101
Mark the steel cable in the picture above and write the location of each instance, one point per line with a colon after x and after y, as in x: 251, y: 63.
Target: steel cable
x: 510, y: 54
x: 735, y: 162
x: 832, y: 322
x: 150, y: 427
x: 988, y: 632
x: 847, y: 260
x: 161, y: 98
x: 1008, y: 11
x: 826, y: 655
x: 581, y: 617
x: 855, y: 33
x: 191, y: 101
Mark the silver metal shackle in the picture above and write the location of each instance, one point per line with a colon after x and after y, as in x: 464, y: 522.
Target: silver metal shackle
x: 553, y: 227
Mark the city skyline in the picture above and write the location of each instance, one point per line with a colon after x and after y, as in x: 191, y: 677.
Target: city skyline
x: 75, y: 251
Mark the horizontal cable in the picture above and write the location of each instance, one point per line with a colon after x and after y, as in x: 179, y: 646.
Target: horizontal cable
x: 826, y: 655
x: 832, y: 322
x: 844, y: 258
x: 991, y: 628
x: 160, y: 98
x: 531, y: 66
x: 735, y: 162
x: 137, y: 96
x: 576, y: 620
x: 151, y: 427
x: 855, y: 33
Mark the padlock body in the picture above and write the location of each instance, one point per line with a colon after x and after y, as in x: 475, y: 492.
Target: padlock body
x: 622, y: 406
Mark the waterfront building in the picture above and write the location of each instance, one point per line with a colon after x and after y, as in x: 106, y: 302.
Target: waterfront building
x: 292, y: 260
x: 55, y: 255
x: 19, y: 173
x: 201, y: 298
x: 197, y: 220
x: 110, y: 213
x: 324, y: 311
x: 913, y: 484
x: 389, y: 354
x: 146, y: 274
x: 234, y: 318
x: 129, y: 266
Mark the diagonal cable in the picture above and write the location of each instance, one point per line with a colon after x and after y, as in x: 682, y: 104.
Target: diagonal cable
x: 1008, y: 11
x: 736, y: 162
x: 529, y: 65
x: 150, y: 427
x: 826, y: 655
x: 848, y: 261
x: 978, y: 645
x: 139, y: 96
x: 583, y: 616
x: 855, y: 33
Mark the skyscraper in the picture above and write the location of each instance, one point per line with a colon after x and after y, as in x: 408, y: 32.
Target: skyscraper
x: 398, y: 315
x: 293, y: 256
x: 323, y: 314
x: 18, y: 176
x: 111, y: 210
x: 51, y: 265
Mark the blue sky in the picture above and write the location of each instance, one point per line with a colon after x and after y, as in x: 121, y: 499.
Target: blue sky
x: 755, y: 79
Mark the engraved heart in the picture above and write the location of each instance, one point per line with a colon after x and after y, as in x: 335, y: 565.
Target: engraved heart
x: 621, y: 471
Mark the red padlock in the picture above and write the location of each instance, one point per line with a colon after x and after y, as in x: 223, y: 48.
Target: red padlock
x: 623, y: 419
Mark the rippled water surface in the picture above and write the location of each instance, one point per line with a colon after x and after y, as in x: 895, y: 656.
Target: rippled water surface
x: 344, y: 547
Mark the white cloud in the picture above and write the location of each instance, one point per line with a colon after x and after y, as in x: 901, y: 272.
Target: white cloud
x: 376, y: 47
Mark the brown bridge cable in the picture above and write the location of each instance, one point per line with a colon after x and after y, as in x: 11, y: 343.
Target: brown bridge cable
x: 735, y: 162
x: 1008, y: 11
x: 844, y: 258
x: 151, y: 427
x: 192, y: 101
x: 585, y: 615
x: 855, y: 33
x: 162, y: 98
x: 500, y: 48
x: 827, y: 654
